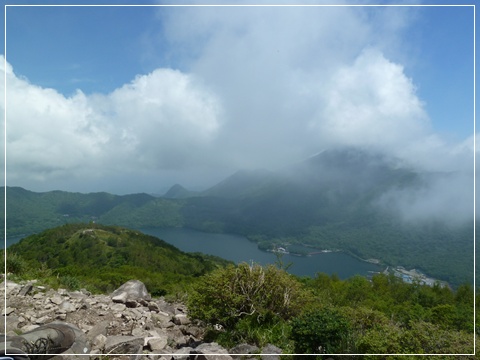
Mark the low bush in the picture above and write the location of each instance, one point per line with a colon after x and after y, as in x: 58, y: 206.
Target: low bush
x: 231, y: 294
x: 320, y: 331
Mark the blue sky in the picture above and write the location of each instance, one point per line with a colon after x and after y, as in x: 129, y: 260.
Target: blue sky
x: 192, y: 94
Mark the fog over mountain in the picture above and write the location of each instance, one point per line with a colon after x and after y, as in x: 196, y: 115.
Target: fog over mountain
x: 222, y: 90
x: 440, y: 196
x: 352, y: 199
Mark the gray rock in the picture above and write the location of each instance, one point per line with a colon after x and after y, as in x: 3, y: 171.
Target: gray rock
x: 12, y: 322
x: 11, y: 287
x: 135, y: 314
x: 166, y: 307
x: 120, y: 297
x: 118, y: 307
x: 139, y: 332
x: 195, y: 331
x: 98, y: 329
x: 61, y: 317
x: 61, y: 291
x: 182, y: 353
x: 123, y: 344
x: 57, y: 300
x: 28, y: 327
x: 131, y: 303
x: 210, y: 351
x: 181, y: 319
x: 270, y: 352
x: 162, y: 319
x: 67, y: 306
x: 244, y: 349
x: 153, y: 306
x: 157, y: 343
x: 176, y: 336
x: 99, y: 342
x: 133, y: 290
x: 43, y: 320
x: 7, y: 311
x: 24, y: 291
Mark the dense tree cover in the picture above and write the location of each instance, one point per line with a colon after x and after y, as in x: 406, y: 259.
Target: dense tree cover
x: 331, y: 316
x: 272, y: 210
x: 30, y: 212
x: 104, y: 257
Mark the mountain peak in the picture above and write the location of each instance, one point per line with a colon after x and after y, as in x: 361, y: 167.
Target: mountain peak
x: 177, y: 191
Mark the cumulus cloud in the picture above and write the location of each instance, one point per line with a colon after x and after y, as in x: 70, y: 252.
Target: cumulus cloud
x: 321, y: 75
x: 149, y: 123
x: 298, y: 80
x: 256, y: 88
x: 372, y: 102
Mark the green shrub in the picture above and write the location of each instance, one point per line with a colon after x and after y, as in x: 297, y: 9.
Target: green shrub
x: 230, y: 294
x: 15, y: 264
x: 385, y: 339
x: 70, y: 282
x: 320, y: 331
x: 247, y: 330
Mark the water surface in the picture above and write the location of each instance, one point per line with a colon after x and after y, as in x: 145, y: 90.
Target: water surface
x: 239, y: 249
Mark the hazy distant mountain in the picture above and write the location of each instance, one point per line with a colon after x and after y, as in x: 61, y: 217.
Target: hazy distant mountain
x: 245, y: 183
x: 177, y: 191
x: 332, y: 186
x: 336, y: 199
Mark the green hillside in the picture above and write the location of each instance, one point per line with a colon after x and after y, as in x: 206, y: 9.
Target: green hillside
x: 30, y: 212
x: 104, y: 257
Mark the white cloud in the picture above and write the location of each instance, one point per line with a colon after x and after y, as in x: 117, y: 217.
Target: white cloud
x: 153, y: 122
x: 445, y: 197
x: 258, y: 87
x: 373, y: 103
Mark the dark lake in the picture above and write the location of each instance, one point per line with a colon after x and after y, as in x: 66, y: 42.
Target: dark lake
x: 239, y: 249
x: 14, y: 239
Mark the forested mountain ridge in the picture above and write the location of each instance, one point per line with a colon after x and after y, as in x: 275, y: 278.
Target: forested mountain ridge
x: 104, y: 257
x: 335, y: 199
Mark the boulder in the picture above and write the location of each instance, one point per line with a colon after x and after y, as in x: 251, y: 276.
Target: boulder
x: 244, y: 349
x: 182, y: 353
x: 181, y: 319
x: 131, y: 293
x: 11, y: 287
x: 67, y: 306
x: 123, y: 345
x: 26, y: 289
x: 7, y: 311
x: 99, y: 328
x: 12, y: 322
x: 118, y: 307
x: 157, y: 343
x: 99, y: 342
x: 211, y: 351
x: 270, y: 352
x: 195, y: 331
x: 57, y: 300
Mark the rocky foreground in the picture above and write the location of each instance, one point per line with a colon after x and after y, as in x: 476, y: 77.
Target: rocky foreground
x: 128, y: 321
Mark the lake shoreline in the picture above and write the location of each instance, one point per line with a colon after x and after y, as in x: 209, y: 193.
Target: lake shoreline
x: 239, y: 248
